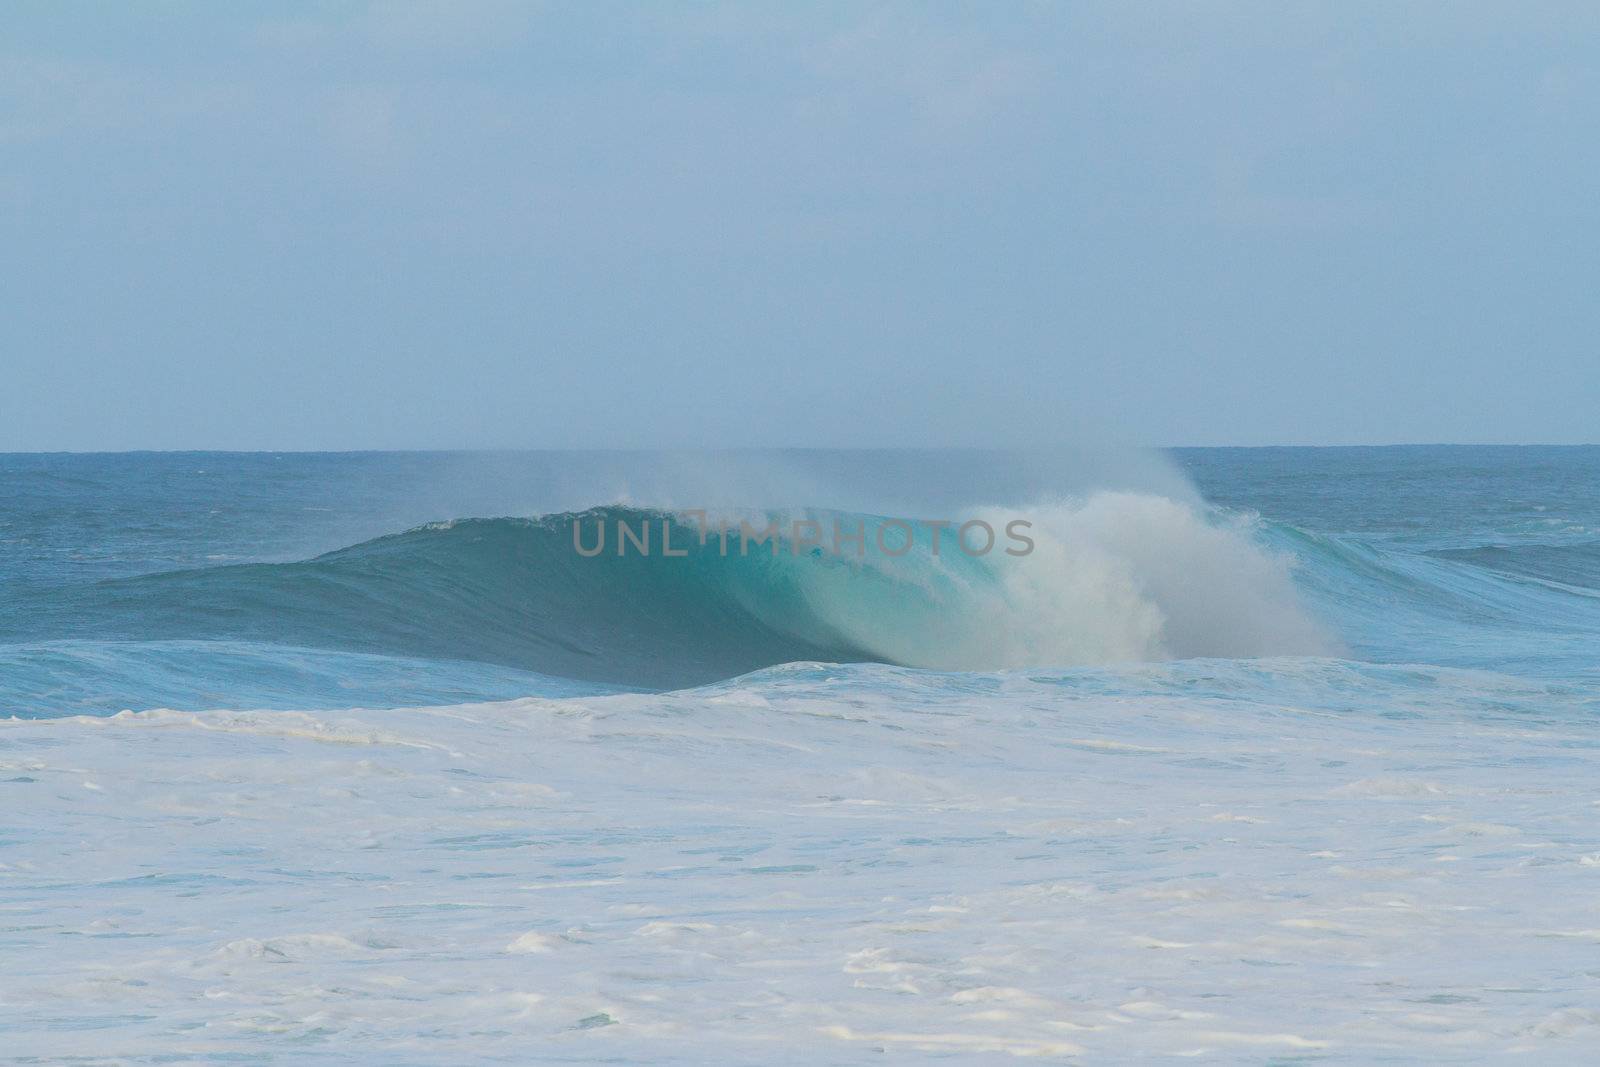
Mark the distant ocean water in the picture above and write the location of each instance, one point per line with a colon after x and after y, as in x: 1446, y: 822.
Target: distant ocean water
x: 1265, y: 754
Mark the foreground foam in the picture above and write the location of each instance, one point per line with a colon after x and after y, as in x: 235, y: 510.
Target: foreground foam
x: 1221, y: 858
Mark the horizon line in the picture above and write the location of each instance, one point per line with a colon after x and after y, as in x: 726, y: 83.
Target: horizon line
x: 624, y: 450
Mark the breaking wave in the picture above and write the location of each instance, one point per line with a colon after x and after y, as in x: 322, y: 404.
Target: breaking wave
x: 1112, y: 577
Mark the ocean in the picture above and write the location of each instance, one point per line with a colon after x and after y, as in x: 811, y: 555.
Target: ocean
x: 1263, y: 755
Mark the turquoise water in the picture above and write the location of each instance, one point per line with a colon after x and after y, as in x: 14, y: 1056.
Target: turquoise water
x: 1262, y: 755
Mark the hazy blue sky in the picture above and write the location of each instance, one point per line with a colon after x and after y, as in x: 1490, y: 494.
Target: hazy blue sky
x: 340, y: 225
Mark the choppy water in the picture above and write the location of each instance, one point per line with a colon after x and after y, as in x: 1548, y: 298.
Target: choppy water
x: 1288, y: 754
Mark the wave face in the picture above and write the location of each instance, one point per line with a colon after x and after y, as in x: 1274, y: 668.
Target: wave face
x: 505, y: 591
x: 1115, y: 577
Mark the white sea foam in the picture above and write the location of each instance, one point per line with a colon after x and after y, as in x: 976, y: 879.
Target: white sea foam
x: 815, y: 864
x: 1113, y: 577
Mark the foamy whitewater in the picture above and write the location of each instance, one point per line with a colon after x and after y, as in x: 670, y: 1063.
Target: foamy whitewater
x: 1259, y: 756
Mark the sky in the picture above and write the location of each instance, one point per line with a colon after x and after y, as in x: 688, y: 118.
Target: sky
x: 484, y: 224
